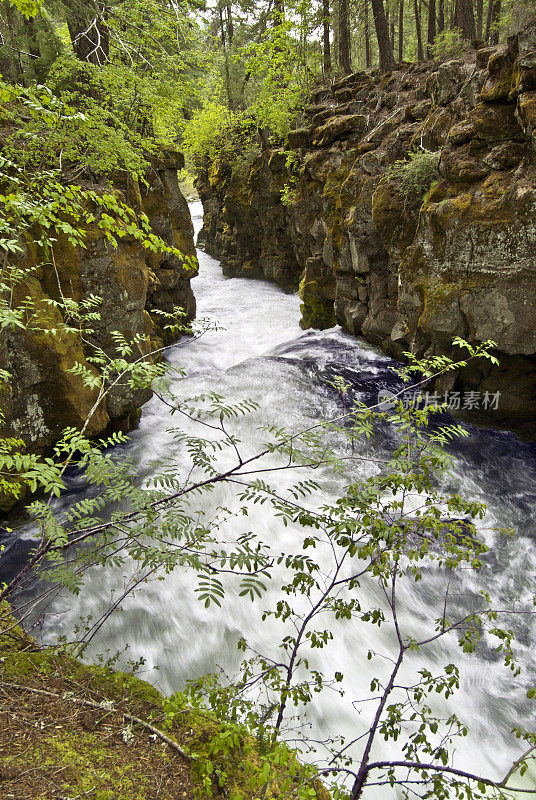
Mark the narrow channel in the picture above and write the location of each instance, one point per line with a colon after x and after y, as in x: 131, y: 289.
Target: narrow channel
x: 260, y: 352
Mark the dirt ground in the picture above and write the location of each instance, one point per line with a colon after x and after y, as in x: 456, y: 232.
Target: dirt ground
x: 66, y: 733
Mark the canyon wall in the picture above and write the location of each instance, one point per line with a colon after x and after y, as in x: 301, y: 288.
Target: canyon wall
x: 44, y: 394
x: 407, y: 267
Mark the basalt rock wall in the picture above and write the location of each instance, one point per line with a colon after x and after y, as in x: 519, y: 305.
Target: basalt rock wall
x: 44, y: 394
x: 406, y: 269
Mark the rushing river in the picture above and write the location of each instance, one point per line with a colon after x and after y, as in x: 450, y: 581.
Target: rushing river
x: 262, y: 353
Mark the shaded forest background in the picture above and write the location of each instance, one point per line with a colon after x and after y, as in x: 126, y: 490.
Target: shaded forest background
x: 148, y: 72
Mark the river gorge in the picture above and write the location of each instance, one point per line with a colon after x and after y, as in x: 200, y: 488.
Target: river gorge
x: 260, y: 352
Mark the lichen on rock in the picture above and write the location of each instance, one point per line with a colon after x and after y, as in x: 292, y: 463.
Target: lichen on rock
x: 45, y: 395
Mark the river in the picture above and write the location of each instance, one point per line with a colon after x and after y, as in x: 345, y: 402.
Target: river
x: 262, y: 353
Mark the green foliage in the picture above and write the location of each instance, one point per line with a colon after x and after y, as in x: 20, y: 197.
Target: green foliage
x: 415, y: 174
x: 26, y: 7
x: 448, y: 44
x: 147, y: 78
x: 113, y: 125
x: 214, y: 136
x: 231, y: 752
x: 204, y: 133
x: 292, y: 166
x: 273, y: 78
x: 278, y: 75
x: 74, y: 134
x: 515, y: 15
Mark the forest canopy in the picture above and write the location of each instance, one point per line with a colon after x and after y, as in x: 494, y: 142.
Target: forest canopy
x: 147, y: 72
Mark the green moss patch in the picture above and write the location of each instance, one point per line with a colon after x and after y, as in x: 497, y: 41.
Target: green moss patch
x: 69, y: 730
x: 65, y: 729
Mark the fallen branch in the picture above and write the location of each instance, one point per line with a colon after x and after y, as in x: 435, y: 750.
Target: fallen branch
x: 103, y: 705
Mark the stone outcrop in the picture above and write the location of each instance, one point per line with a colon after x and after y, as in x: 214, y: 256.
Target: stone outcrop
x: 245, y: 222
x: 45, y: 395
x: 406, y: 268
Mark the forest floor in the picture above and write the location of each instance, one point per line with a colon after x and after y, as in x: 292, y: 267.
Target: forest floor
x: 73, y: 731
x: 67, y: 731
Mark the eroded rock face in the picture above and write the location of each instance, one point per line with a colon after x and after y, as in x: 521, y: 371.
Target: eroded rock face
x: 44, y: 396
x: 408, y: 269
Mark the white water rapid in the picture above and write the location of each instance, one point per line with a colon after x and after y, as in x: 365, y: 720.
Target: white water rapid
x: 263, y: 354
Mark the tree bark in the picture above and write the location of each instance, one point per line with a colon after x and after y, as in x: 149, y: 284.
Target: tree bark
x: 387, y: 61
x: 420, y: 53
x: 441, y: 17
x: 226, y: 58
x: 11, y: 26
x: 400, y: 30
x: 30, y: 29
x: 367, y: 36
x: 230, y: 26
x: 89, y: 32
x: 431, y: 27
x: 492, y: 31
x: 479, y: 18
x: 344, y: 37
x: 279, y: 12
x: 465, y: 19
x: 489, y: 16
x: 325, y: 37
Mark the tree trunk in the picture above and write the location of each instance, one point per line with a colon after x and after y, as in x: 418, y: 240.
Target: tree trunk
x: 30, y: 30
x: 489, y: 17
x: 226, y: 58
x: 344, y: 37
x: 11, y: 26
x: 441, y: 17
x: 431, y: 27
x: 325, y: 35
x: 479, y: 18
x: 230, y: 26
x: 387, y: 61
x: 89, y: 32
x: 367, y: 36
x: 279, y: 12
x: 400, y: 30
x: 465, y: 19
x: 492, y: 29
x: 420, y: 54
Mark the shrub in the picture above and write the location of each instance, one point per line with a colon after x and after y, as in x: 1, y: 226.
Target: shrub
x: 416, y: 174
x: 448, y: 44
x: 202, y: 134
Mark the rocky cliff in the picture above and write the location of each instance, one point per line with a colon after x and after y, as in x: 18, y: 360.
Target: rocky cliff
x: 44, y: 396
x: 404, y: 263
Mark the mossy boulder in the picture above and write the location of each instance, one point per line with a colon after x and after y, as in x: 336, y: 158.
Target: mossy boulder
x: 339, y: 127
x: 317, y: 294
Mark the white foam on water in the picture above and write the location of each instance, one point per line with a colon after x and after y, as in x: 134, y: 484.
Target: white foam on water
x: 263, y: 354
